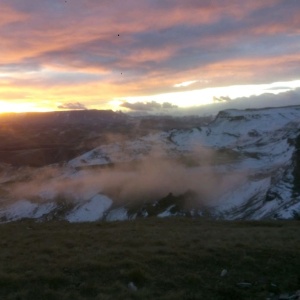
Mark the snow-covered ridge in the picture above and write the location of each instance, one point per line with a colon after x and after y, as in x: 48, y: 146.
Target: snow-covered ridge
x: 243, y: 165
x: 237, y: 128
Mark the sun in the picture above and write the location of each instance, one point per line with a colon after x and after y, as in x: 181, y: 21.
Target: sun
x: 6, y: 107
x: 21, y: 107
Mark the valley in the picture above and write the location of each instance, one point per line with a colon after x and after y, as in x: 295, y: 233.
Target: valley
x: 242, y: 165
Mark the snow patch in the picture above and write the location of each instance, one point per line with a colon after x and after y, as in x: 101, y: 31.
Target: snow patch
x: 25, y: 209
x: 92, y: 210
x: 166, y: 213
x: 117, y: 214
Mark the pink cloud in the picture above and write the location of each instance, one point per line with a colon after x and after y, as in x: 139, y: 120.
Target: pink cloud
x: 142, y: 47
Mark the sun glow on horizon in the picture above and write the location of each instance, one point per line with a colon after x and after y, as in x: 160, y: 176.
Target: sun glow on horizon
x: 182, y: 99
x: 21, y: 107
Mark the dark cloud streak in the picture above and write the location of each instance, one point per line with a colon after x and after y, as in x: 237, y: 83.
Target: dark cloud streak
x: 148, y: 106
x: 72, y: 106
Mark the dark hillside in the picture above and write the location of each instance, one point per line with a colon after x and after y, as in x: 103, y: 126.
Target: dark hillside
x: 39, y: 139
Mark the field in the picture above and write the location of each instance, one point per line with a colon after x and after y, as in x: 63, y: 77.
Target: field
x: 151, y: 258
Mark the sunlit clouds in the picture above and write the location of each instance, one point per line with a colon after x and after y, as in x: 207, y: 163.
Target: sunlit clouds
x: 207, y: 96
x: 102, y: 54
x: 184, y: 84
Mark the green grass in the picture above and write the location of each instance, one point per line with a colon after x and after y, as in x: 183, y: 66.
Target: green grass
x: 165, y: 258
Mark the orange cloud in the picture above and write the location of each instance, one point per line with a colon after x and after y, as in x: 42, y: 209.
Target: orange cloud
x: 9, y: 15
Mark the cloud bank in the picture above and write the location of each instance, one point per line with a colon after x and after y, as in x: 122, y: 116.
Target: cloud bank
x: 288, y: 98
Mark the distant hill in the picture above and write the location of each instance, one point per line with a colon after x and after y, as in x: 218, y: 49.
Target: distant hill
x: 37, y: 139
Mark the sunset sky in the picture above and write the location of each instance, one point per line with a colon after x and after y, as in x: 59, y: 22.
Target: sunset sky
x: 145, y: 54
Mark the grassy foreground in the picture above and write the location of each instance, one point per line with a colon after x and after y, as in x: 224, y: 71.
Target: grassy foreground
x: 164, y: 259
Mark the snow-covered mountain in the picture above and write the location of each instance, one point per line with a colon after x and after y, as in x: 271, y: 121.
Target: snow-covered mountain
x: 243, y: 165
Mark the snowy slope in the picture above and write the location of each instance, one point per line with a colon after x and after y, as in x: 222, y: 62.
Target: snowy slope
x: 266, y: 141
x: 243, y: 165
x: 120, y: 152
x: 92, y: 210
